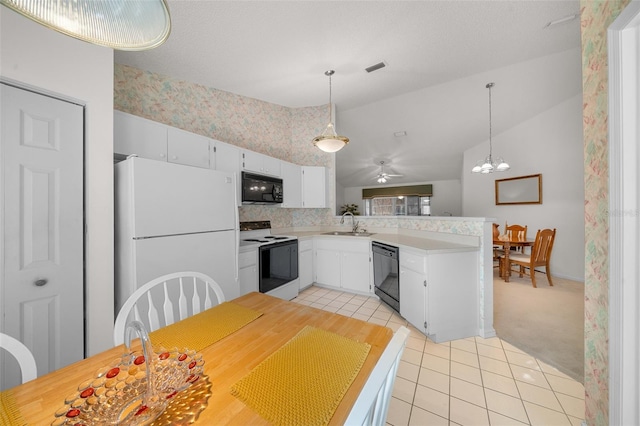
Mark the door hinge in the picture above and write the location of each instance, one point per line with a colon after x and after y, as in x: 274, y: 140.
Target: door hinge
x: 215, y: 149
x: 425, y: 325
x: 425, y: 283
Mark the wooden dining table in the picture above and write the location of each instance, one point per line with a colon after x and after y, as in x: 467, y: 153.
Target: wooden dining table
x: 506, y: 245
x: 226, y: 362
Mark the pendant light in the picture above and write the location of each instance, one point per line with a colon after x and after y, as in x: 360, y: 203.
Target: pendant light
x: 488, y: 165
x: 118, y: 24
x: 329, y: 141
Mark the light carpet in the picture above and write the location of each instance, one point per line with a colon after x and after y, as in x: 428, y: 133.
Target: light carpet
x: 546, y: 322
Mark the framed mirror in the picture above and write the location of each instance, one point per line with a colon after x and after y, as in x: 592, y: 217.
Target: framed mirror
x: 519, y: 190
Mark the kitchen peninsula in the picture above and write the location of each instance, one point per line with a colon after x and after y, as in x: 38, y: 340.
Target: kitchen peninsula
x: 442, y: 290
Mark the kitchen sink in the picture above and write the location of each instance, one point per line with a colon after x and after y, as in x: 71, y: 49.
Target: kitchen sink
x: 349, y: 234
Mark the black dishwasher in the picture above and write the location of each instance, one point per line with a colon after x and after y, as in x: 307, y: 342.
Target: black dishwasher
x: 385, y: 274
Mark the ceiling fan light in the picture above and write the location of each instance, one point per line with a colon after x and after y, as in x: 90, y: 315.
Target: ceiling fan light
x: 121, y: 25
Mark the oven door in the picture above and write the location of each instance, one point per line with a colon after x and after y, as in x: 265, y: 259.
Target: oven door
x: 278, y: 265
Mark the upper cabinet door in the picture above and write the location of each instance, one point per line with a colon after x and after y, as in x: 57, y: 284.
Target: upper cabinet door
x: 272, y: 166
x: 139, y: 136
x: 260, y: 163
x: 292, y: 184
x: 314, y: 187
x: 188, y: 148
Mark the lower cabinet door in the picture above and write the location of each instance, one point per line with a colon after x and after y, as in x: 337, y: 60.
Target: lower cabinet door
x: 305, y: 268
x: 413, y: 298
x: 355, y: 272
x: 248, y: 278
x: 328, y: 267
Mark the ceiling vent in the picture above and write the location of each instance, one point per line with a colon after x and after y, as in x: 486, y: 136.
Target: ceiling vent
x: 375, y: 67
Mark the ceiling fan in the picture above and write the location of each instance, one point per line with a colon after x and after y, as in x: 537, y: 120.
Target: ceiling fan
x: 383, y: 177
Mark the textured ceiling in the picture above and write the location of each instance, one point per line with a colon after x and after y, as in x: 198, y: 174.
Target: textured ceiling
x: 278, y: 51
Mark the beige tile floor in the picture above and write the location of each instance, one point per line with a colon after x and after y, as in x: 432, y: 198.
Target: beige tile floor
x: 471, y: 381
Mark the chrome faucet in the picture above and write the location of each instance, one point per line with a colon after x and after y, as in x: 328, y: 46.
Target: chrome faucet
x: 354, y: 223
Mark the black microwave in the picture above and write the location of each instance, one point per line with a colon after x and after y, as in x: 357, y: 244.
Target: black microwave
x: 260, y: 189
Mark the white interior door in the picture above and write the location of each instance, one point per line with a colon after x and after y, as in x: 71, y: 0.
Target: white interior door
x: 41, y: 143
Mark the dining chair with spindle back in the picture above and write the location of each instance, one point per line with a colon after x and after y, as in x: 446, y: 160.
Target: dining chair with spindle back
x: 157, y: 302
x: 512, y: 233
x: 22, y: 354
x: 372, y: 405
x: 516, y: 233
x: 540, y: 255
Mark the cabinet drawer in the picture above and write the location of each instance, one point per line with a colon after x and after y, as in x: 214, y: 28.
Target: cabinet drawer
x: 413, y: 261
x: 355, y: 244
x: 305, y: 245
x: 247, y: 259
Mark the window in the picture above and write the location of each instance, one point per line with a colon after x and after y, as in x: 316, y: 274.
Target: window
x: 401, y: 205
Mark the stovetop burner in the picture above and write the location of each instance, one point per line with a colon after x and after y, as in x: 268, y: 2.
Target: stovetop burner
x: 259, y: 233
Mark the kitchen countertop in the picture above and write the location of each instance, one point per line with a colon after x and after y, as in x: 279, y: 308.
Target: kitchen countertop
x: 402, y: 241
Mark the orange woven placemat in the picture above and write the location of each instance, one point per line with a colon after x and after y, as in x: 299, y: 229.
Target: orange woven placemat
x: 204, y: 329
x: 303, y: 382
x: 9, y: 412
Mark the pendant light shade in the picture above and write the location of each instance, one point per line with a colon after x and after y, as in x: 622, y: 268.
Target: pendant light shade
x: 488, y: 165
x: 118, y: 24
x: 329, y: 141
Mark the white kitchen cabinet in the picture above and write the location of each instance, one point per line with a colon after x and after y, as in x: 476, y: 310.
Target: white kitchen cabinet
x: 248, y: 270
x: 355, y: 270
x: 446, y: 308
x: 226, y: 157
x: 292, y: 184
x: 157, y: 141
x: 314, y: 187
x: 260, y: 163
x: 327, y: 266
x: 187, y: 148
x: 139, y: 136
x: 305, y: 263
x: 344, y: 263
x: 413, y: 289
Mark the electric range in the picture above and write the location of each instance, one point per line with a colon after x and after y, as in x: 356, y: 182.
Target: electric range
x: 277, y: 258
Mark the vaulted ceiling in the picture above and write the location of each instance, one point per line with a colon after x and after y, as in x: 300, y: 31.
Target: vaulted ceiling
x: 439, y: 55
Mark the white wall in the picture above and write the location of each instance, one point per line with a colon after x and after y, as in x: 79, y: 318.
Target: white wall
x: 447, y: 196
x: 44, y: 60
x: 550, y: 144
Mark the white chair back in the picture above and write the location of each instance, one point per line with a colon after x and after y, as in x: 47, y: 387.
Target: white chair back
x: 372, y: 404
x: 167, y: 299
x: 22, y: 354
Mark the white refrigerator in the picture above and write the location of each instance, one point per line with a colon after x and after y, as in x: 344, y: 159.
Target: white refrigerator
x: 172, y: 218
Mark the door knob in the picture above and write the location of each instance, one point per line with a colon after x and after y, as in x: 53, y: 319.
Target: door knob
x: 41, y: 282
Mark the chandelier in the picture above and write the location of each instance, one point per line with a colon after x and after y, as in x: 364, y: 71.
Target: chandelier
x: 488, y: 165
x: 329, y: 141
x: 118, y: 24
